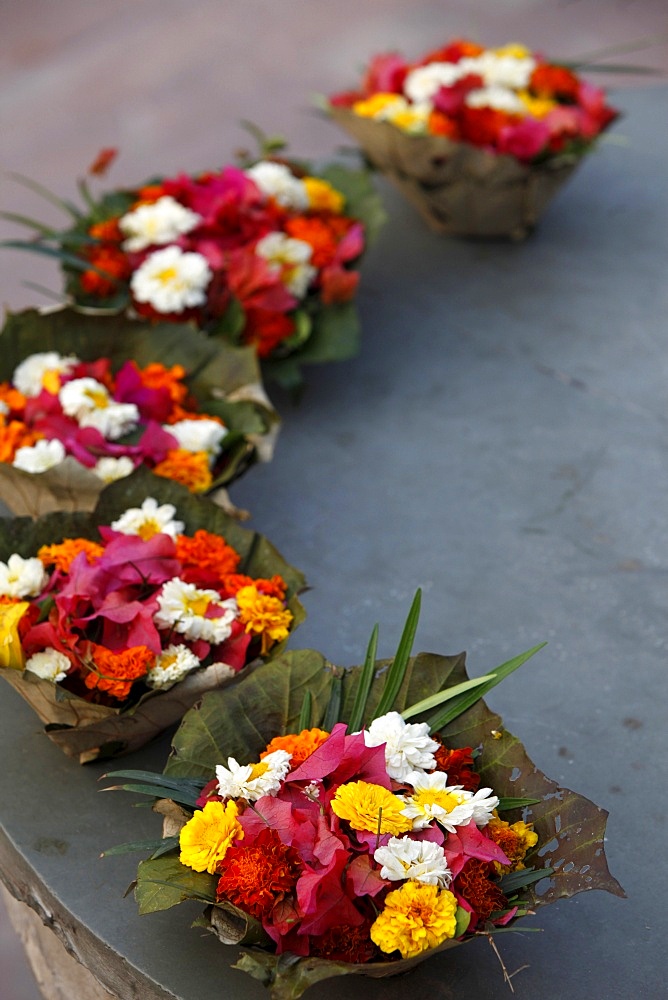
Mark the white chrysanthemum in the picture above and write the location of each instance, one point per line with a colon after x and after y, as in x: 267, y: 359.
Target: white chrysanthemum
x: 198, y: 435
x: 290, y: 258
x: 252, y: 781
x: 29, y: 376
x: 432, y: 799
x: 41, y: 456
x: 50, y: 665
x: 22, y: 577
x: 420, y: 860
x: 148, y: 520
x: 499, y: 98
x: 156, y: 224
x: 172, y: 280
x: 484, y: 802
x: 277, y: 181
x: 423, y: 83
x: 499, y: 70
x: 89, y: 402
x: 183, y: 607
x: 408, y: 745
x: 171, y: 666
x: 110, y: 469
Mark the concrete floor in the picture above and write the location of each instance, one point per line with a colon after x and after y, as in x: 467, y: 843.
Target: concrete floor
x: 167, y: 82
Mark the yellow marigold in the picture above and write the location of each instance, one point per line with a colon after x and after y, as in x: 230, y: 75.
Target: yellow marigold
x: 374, y: 105
x: 264, y: 615
x: 322, y: 196
x: 513, y: 840
x: 415, y: 917
x: 62, y: 555
x: 360, y: 803
x: 205, y: 838
x: 190, y: 468
x: 11, y: 651
x: 538, y: 107
x: 300, y: 745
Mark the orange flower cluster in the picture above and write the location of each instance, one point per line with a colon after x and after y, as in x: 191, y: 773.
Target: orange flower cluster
x: 514, y: 841
x: 115, y: 671
x: 300, y: 745
x: 258, y: 876
x: 157, y: 376
x: 14, y: 434
x: 62, y: 555
x: 109, y: 268
x: 207, y: 552
x: 190, y: 468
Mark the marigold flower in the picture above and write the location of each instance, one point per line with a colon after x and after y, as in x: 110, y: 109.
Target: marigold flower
x: 513, y: 840
x: 107, y: 231
x: 116, y: 671
x: 475, y: 885
x: 207, y: 552
x: 15, y: 435
x: 299, y: 746
x: 205, y: 839
x: 11, y: 400
x: 62, y: 554
x: 554, y: 82
x: 264, y: 616
x: 111, y: 268
x: 258, y: 875
x: 323, y: 196
x: 415, y: 917
x: 234, y: 582
x: 157, y: 376
x: 345, y: 943
x: 190, y: 468
x: 11, y: 650
x: 318, y: 234
x: 362, y: 804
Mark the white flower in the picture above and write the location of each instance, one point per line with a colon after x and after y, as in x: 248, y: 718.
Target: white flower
x: 183, y: 606
x: 157, y: 223
x: 423, y: 83
x: 277, y: 181
x: 289, y: 258
x: 110, y: 469
x: 29, y: 376
x: 198, y: 435
x: 499, y: 70
x: 407, y: 744
x: 148, y: 520
x: 22, y: 577
x: 89, y: 402
x: 41, y: 456
x: 4, y: 409
x: 171, y: 666
x: 432, y: 799
x: 50, y: 665
x: 420, y: 860
x: 499, y: 98
x: 484, y: 802
x: 252, y: 781
x: 172, y: 280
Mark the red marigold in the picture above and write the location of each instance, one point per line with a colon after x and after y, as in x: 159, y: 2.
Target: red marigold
x: 14, y: 400
x: 115, y: 672
x: 208, y: 552
x: 556, y: 82
x: 453, y: 52
x: 266, y: 329
x: 481, y: 126
x: 344, y: 943
x: 258, y: 875
x: 475, y: 885
x: 116, y: 269
x: 440, y: 124
x: 457, y: 764
x: 108, y: 231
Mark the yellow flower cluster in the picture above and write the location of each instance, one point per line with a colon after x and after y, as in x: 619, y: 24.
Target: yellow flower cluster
x: 415, y: 917
x: 362, y: 803
x: 205, y: 838
x: 263, y: 615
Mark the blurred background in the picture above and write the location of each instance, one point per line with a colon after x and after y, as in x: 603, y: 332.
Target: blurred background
x: 167, y: 82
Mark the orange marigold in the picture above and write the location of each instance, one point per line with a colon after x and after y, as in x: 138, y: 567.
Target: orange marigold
x: 300, y: 745
x: 190, y: 468
x: 441, y: 124
x: 108, y: 231
x: 258, y: 875
x: 14, y: 435
x: 14, y: 400
x: 263, y: 615
x: 111, y: 269
x: 232, y: 584
x: 148, y: 193
x: 318, y: 234
x: 157, y: 376
x: 207, y: 551
x: 62, y: 555
x: 513, y: 840
x: 555, y: 81
x: 115, y: 672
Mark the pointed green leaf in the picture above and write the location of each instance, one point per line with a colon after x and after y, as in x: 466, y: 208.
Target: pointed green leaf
x: 358, y: 714
x: 396, y: 673
x: 447, y: 695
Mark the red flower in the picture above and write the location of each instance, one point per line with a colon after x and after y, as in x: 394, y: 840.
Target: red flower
x: 344, y: 943
x: 556, y: 82
x: 259, y: 875
x: 266, y: 330
x: 475, y: 886
x: 457, y: 764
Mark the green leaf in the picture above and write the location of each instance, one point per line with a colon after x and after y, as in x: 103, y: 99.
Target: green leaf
x: 140, y: 845
x: 509, y: 802
x: 396, y: 673
x: 62, y: 203
x: 443, y: 718
x: 358, y: 714
x: 333, y: 710
x: 447, y: 695
x: 231, y: 323
x: 182, y: 796
x: 305, y: 715
x: 62, y: 255
x: 165, y: 882
x: 513, y: 881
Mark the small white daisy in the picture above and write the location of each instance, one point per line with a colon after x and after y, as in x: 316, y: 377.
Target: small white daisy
x: 148, y: 520
x: 41, y: 456
x: 408, y: 745
x: 171, y: 666
x: 22, y: 577
x: 50, y: 665
x: 156, y: 224
x: 289, y: 258
x: 252, y: 781
x: 277, y: 181
x: 29, y: 376
x: 420, y: 860
x: 172, y: 280
x: 183, y: 607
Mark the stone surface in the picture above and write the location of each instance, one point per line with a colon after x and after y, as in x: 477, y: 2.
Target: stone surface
x: 501, y: 442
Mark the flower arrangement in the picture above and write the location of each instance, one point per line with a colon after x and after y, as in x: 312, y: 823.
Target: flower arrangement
x: 115, y: 622
x: 333, y: 836
x: 264, y: 254
x: 84, y: 400
x: 479, y: 139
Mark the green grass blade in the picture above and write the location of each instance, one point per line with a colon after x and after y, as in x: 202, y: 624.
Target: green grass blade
x: 356, y: 720
x: 62, y: 255
x: 25, y: 220
x: 508, y: 802
x: 441, y: 696
x: 138, y: 845
x: 397, y: 671
x: 305, y: 714
x: 333, y: 710
x: 61, y: 203
x: 515, y: 881
x: 160, y: 780
x: 464, y: 701
x: 182, y: 796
